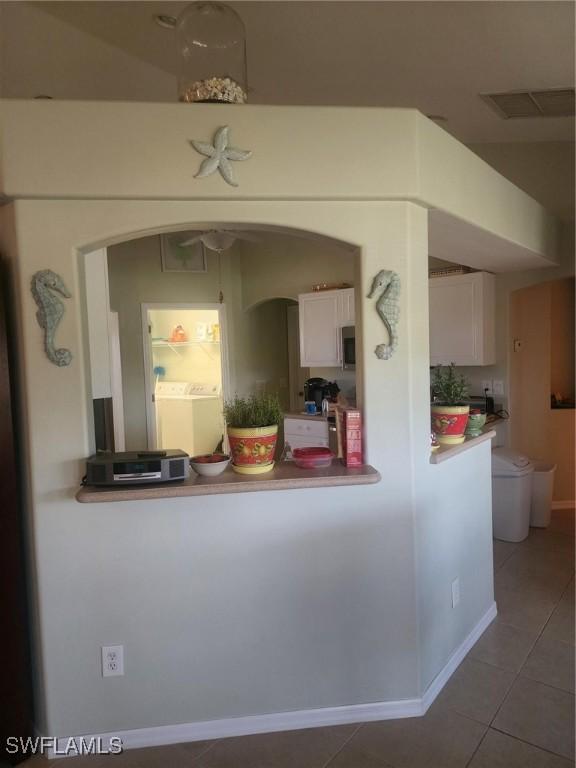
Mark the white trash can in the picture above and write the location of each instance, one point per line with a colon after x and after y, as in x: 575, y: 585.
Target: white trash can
x: 542, y: 489
x: 511, y: 494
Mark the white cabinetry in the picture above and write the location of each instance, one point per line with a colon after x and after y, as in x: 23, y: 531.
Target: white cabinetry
x: 322, y: 316
x: 306, y: 432
x: 462, y: 320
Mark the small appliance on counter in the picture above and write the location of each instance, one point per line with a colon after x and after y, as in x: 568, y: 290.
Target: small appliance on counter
x: 316, y: 390
x: 137, y: 467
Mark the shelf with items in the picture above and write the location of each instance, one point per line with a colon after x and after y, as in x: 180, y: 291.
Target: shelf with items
x: 176, y: 346
x: 166, y: 343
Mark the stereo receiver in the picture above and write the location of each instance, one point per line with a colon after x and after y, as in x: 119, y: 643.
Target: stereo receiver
x: 136, y: 467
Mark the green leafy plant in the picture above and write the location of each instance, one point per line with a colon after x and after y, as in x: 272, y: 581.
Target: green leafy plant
x: 261, y: 410
x: 449, y: 387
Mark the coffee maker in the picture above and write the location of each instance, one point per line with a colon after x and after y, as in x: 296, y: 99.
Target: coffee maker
x: 317, y: 389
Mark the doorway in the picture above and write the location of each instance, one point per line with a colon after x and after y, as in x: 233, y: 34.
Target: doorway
x: 186, y: 376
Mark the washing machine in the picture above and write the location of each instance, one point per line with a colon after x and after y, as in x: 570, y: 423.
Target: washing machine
x: 188, y: 416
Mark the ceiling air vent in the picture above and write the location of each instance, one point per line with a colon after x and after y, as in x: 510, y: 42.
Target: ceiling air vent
x: 558, y: 102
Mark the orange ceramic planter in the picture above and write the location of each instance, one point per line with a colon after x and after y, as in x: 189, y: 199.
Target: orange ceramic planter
x: 449, y: 423
x: 252, y: 449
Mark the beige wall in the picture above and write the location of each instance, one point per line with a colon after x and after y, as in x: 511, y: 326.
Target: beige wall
x: 265, y: 343
x: 292, y: 266
x: 136, y: 277
x: 252, y: 278
x: 562, y: 339
x: 39, y: 51
x: 537, y: 430
x: 545, y: 170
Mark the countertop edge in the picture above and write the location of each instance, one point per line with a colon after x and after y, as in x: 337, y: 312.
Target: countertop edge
x: 365, y: 475
x: 447, y: 452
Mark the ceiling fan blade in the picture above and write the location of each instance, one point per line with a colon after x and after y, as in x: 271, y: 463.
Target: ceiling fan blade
x: 191, y: 241
x: 243, y: 235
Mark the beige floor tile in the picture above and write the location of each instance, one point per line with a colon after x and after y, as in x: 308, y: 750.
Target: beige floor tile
x: 563, y: 521
x: 542, y: 558
x: 310, y: 748
x: 540, y: 715
x: 504, y: 646
x: 526, y: 608
x: 440, y: 739
x: 517, y: 577
x: 501, y: 552
x: 501, y: 751
x: 476, y: 690
x: 168, y: 756
x: 351, y: 757
x: 561, y: 624
x: 551, y: 662
x: 174, y: 755
x: 549, y: 539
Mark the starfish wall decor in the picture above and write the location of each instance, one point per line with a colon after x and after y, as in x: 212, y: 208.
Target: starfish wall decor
x: 218, y: 156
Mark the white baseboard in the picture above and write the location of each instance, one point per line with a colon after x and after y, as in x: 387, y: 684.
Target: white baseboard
x: 292, y: 721
x: 456, y: 659
x: 563, y: 504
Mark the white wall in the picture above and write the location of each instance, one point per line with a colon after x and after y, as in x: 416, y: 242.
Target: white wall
x: 226, y: 606
x: 256, y: 603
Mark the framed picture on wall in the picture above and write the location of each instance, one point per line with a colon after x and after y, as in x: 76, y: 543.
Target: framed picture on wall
x: 181, y: 255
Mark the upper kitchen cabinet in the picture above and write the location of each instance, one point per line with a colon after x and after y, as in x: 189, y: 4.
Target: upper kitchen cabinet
x: 462, y: 329
x: 323, y: 314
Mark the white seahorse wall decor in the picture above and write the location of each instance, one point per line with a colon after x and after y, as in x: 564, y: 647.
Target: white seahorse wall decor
x: 386, y: 285
x: 45, y: 285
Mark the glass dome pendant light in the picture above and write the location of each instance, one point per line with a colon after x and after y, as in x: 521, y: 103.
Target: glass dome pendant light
x: 211, y: 42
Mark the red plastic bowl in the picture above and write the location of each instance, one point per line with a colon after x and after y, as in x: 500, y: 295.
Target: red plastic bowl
x: 312, y: 458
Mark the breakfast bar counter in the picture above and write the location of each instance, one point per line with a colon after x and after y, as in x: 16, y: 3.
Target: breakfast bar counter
x: 284, y: 477
x: 448, y: 451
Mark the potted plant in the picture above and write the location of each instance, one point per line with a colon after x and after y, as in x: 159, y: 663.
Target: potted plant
x: 252, y: 426
x: 449, y: 410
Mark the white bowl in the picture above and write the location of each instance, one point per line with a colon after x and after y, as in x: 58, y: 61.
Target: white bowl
x: 209, y: 470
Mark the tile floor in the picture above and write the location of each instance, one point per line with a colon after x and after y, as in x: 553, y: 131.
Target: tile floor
x: 510, y: 704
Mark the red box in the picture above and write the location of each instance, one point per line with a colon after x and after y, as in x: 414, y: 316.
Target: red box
x: 351, y: 436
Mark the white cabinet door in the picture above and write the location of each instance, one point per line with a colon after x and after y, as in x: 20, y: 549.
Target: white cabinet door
x: 462, y: 319
x: 319, y: 329
x: 346, y: 307
x: 323, y: 314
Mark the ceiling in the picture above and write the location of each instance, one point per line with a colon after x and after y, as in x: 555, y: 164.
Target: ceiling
x: 434, y: 56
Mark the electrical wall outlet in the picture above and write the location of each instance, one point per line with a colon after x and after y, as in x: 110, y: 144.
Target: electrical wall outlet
x: 455, y: 592
x: 497, y: 387
x: 112, y: 660
x: 487, y: 387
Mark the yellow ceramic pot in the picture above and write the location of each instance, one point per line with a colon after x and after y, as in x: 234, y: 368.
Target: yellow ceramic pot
x: 449, y: 423
x: 252, y: 448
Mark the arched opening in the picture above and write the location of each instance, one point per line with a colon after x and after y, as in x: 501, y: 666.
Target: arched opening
x: 164, y: 357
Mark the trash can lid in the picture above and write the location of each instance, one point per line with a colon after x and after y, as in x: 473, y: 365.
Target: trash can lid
x: 506, y: 462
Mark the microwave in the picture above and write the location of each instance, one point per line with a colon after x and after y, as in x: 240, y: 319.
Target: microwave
x: 349, y: 348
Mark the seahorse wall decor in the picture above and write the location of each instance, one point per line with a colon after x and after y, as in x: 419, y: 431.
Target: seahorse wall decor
x: 45, y: 285
x: 387, y: 284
